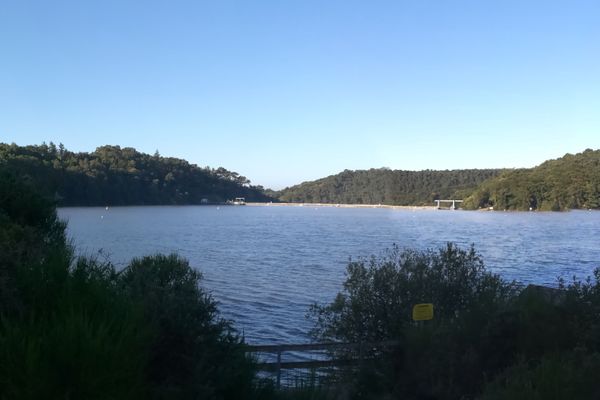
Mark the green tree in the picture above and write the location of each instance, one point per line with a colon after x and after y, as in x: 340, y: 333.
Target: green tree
x: 75, y: 328
x: 195, y: 353
x: 30, y: 234
x: 122, y: 176
x: 447, y: 357
x: 569, y: 182
x: 384, y: 186
x: 63, y: 325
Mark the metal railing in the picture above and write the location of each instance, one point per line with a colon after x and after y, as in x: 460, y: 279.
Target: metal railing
x: 312, y: 363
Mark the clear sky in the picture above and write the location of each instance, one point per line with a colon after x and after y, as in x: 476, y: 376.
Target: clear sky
x: 292, y: 90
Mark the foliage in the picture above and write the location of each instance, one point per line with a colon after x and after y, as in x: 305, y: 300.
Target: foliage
x: 195, y: 354
x: 570, y: 182
x: 563, y: 376
x: 76, y: 336
x: 75, y: 328
x: 385, y: 186
x: 63, y: 325
x: 379, y: 293
x: 443, y: 358
x: 123, y: 176
x: 487, y: 336
x: 30, y: 233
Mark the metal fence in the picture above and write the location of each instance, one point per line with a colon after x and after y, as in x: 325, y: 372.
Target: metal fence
x: 314, y: 364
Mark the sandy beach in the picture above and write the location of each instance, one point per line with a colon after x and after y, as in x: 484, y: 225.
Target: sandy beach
x: 343, y: 205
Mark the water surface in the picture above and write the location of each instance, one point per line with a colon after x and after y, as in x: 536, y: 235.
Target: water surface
x: 266, y: 265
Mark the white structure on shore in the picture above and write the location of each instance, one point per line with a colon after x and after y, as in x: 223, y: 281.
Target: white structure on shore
x: 453, y: 207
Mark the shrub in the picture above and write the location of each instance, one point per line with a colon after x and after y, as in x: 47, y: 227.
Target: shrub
x: 195, y: 353
x: 30, y: 233
x: 378, y: 295
x: 75, y: 328
x: 487, y: 335
x: 559, y: 376
x: 76, y: 337
x: 447, y: 357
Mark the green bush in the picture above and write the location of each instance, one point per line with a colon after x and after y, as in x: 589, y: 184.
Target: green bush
x: 487, y: 336
x: 76, y: 329
x: 378, y: 296
x: 76, y: 337
x: 64, y: 327
x: 195, y: 353
x: 30, y: 234
x: 447, y: 357
x: 563, y: 376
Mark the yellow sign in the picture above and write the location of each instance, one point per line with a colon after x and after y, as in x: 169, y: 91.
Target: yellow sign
x: 422, y: 312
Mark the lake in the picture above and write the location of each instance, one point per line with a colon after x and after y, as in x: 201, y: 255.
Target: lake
x: 265, y: 265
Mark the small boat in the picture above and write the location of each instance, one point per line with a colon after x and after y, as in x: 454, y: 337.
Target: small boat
x: 239, y: 201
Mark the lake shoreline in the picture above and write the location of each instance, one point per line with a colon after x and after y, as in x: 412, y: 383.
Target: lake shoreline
x: 394, y: 207
x: 343, y: 206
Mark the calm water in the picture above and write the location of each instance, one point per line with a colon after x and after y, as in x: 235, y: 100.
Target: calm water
x: 265, y: 265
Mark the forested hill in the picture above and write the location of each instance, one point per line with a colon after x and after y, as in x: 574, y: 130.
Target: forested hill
x: 385, y: 186
x: 112, y: 175
x: 569, y: 182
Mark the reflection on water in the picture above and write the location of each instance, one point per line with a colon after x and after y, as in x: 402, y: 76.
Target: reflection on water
x: 265, y: 265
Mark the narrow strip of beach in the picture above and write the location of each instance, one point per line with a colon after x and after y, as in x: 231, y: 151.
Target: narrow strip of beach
x: 343, y: 206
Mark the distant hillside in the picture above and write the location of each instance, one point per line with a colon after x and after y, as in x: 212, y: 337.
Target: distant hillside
x: 112, y: 175
x: 385, y: 186
x: 570, y: 182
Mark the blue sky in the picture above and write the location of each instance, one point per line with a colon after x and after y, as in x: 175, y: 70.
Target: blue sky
x: 287, y: 91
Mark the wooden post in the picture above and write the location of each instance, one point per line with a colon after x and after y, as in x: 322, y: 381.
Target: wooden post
x: 278, y: 369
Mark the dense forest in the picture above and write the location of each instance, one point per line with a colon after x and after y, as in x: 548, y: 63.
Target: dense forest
x: 112, y: 175
x: 569, y: 182
x: 385, y: 186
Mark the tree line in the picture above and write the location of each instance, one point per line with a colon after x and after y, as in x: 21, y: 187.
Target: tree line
x: 386, y: 186
x: 569, y: 182
x: 112, y: 175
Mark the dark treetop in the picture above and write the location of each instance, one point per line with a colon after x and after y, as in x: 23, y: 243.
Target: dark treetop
x: 385, y: 186
x: 569, y: 182
x: 112, y: 175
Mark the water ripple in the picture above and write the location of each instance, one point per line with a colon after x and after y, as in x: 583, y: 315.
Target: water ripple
x: 266, y: 265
